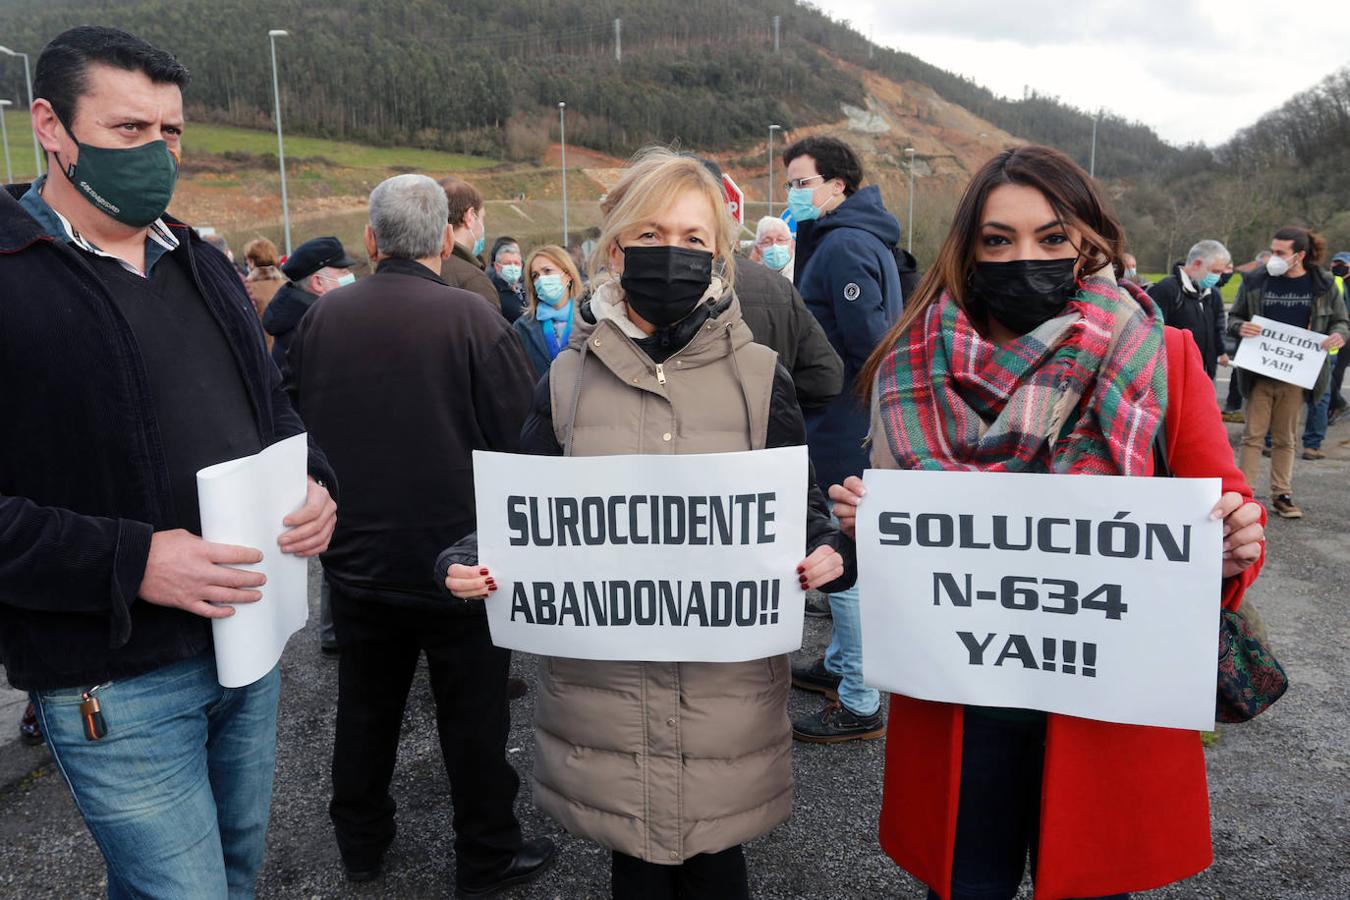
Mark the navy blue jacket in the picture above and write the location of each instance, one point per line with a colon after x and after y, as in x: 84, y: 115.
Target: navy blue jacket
x: 852, y: 286
x: 83, y: 479
x: 512, y: 300
x: 283, y: 314
x: 531, y: 332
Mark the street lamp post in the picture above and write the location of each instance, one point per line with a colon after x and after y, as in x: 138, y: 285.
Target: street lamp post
x: 281, y: 146
x: 4, y: 139
x: 909, y: 244
x: 28, y: 79
x: 772, y: 129
x: 1092, y: 158
x: 562, y: 140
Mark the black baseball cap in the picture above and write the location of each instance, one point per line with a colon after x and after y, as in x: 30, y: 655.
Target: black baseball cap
x: 315, y: 254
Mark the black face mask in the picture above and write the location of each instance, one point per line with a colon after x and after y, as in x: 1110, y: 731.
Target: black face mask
x: 664, y: 284
x: 1340, y: 269
x: 1224, y: 279
x: 1024, y: 293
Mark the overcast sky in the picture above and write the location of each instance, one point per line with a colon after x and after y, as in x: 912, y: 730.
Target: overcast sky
x: 1196, y: 70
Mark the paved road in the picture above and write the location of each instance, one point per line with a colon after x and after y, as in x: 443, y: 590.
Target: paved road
x: 1280, y: 786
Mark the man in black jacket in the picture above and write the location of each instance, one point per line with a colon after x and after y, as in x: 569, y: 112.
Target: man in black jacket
x: 1189, y: 298
x: 505, y: 274
x: 440, y: 375
x: 132, y: 358
x: 316, y: 267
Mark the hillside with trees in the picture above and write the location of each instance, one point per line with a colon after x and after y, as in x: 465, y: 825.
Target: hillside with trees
x: 483, y: 77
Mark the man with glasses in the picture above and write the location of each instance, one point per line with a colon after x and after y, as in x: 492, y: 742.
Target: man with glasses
x: 774, y: 246
x: 851, y: 283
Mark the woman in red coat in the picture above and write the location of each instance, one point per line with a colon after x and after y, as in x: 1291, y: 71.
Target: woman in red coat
x: 1020, y: 352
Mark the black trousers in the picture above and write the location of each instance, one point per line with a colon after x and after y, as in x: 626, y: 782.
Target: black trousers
x: 998, y: 813
x: 380, y: 646
x: 709, y: 875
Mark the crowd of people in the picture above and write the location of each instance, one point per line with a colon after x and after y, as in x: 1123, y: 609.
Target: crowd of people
x: 1028, y: 347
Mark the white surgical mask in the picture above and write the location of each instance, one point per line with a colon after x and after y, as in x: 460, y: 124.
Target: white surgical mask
x: 1277, y: 266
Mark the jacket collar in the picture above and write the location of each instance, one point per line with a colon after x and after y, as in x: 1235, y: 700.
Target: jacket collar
x: 408, y: 267
x: 18, y: 230
x: 467, y: 256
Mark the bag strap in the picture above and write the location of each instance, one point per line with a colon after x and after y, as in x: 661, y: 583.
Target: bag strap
x: 1161, y: 468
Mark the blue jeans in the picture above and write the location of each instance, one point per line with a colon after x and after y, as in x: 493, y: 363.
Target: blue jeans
x: 844, y: 655
x: 177, y: 793
x: 1315, y: 429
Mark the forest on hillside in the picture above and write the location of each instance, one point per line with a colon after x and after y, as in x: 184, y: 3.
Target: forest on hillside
x: 485, y: 76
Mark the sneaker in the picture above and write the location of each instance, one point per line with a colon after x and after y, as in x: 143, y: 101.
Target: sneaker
x: 1313, y: 453
x: 1285, y: 508
x: 30, y: 732
x: 1335, y: 413
x: 835, y: 724
x: 1234, y: 415
x: 817, y: 678
x: 818, y: 606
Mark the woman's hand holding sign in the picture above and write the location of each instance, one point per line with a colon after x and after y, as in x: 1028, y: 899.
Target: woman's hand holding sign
x: 846, y: 498
x: 470, y: 582
x: 1243, y: 533
x: 821, y: 567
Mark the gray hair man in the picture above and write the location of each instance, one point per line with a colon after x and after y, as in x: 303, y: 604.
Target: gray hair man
x: 774, y: 246
x: 442, y: 375
x: 1189, y: 298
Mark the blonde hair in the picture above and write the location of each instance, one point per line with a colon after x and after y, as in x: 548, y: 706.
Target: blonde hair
x: 560, y: 258
x: 651, y: 181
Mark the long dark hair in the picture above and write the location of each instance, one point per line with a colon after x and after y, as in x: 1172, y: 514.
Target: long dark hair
x: 1312, y: 244
x: 1069, y: 190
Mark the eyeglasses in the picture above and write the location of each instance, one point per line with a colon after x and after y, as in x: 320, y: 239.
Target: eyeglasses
x: 800, y: 182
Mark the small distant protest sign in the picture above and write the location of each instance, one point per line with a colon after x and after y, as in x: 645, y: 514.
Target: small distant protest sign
x: 1283, y: 352
x: 657, y: 558
x: 1090, y: 596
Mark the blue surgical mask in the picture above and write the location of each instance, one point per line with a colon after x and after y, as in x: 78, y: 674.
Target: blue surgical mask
x: 345, y: 279
x: 801, y: 204
x: 1209, y: 281
x: 479, y: 244
x: 510, y: 273
x: 776, y: 256
x: 550, y: 289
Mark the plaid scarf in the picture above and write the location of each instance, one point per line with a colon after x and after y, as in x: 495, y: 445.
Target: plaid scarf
x: 947, y: 398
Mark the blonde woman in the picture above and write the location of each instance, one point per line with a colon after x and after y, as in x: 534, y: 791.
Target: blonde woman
x: 552, y: 287
x: 670, y: 765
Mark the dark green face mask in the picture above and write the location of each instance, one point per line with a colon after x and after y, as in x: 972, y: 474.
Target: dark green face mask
x: 132, y: 185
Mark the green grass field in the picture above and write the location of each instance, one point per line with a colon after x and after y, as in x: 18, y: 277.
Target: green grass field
x: 219, y: 139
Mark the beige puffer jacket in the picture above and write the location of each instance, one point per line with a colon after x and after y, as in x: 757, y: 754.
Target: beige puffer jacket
x: 663, y: 761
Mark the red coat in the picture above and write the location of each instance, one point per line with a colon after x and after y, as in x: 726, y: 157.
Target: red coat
x: 1123, y: 807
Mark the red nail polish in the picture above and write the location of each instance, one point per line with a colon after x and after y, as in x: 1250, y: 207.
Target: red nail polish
x: 801, y: 569
x: 482, y: 571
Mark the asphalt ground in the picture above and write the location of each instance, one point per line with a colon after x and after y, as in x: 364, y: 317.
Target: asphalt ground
x: 1279, y: 786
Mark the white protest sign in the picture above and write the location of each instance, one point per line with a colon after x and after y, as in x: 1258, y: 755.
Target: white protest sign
x: 658, y: 558
x: 1090, y: 596
x: 1283, y: 352
x: 243, y: 502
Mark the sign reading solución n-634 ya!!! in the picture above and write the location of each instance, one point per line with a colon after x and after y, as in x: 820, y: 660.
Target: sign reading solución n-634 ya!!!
x: 658, y: 558
x: 1090, y: 596
x: 1283, y: 352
